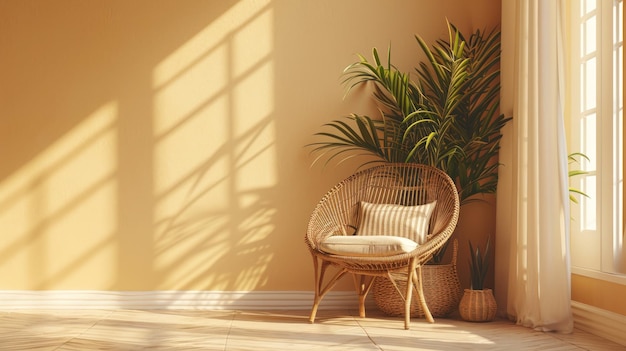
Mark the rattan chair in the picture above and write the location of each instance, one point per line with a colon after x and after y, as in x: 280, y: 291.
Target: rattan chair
x: 339, y: 213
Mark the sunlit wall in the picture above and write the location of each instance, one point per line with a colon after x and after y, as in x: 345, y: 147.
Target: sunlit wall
x: 159, y: 145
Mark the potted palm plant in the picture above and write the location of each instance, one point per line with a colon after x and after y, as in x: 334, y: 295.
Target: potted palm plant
x: 448, y: 118
x: 442, y: 290
x: 478, y: 303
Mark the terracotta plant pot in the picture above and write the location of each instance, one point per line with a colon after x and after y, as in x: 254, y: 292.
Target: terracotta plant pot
x: 478, y: 305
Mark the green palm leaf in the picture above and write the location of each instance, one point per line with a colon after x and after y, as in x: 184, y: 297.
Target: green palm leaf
x: 447, y: 118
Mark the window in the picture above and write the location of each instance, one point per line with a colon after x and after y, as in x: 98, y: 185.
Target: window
x: 596, y: 127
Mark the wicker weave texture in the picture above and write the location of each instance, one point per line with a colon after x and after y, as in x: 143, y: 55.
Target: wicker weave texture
x: 337, y: 213
x: 442, y: 290
x: 478, y: 305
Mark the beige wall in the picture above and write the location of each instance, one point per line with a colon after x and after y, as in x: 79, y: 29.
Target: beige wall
x: 158, y: 145
x: 599, y: 293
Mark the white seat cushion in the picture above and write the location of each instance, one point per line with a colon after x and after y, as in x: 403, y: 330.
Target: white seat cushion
x: 370, y: 245
x: 398, y: 220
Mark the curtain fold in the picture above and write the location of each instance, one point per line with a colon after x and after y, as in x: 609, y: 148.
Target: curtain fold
x: 533, y: 203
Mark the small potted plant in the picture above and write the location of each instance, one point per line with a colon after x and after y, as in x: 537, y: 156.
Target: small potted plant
x: 478, y: 303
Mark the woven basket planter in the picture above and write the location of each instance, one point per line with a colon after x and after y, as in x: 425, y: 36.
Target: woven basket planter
x: 442, y: 291
x: 478, y: 305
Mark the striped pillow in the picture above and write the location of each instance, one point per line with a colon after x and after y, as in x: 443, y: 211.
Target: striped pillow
x: 398, y: 220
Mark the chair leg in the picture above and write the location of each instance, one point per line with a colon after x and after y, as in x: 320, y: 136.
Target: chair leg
x: 420, y: 294
x: 362, y: 286
x: 316, y: 298
x: 320, y: 288
x: 409, y: 292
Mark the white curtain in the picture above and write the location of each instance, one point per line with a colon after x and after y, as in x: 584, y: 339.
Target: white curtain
x: 532, y: 252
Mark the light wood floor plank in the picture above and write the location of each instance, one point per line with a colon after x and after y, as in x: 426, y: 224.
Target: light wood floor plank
x: 258, y: 330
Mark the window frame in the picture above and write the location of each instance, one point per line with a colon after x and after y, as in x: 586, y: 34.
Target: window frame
x: 598, y: 252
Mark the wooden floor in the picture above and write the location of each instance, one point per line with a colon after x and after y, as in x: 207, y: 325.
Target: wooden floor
x: 257, y: 330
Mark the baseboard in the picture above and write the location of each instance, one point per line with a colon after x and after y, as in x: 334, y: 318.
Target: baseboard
x: 209, y: 300
x: 608, y: 325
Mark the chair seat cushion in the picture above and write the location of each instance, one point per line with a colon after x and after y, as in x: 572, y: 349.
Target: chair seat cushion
x: 370, y: 245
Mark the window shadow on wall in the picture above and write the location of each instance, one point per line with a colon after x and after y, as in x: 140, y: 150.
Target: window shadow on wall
x: 139, y: 145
